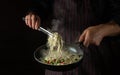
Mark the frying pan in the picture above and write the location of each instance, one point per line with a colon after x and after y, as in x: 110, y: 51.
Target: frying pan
x: 73, y: 48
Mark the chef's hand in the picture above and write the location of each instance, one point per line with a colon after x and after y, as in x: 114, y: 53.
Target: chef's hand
x: 95, y: 34
x: 32, y: 20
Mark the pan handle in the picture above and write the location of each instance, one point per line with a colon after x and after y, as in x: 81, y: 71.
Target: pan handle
x: 80, y: 44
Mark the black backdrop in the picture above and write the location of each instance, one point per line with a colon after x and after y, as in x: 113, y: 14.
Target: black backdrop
x: 17, y: 41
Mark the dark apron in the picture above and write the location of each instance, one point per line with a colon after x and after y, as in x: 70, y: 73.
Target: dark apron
x: 71, y: 17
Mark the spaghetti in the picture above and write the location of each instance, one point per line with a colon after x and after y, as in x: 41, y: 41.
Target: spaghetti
x: 57, y: 54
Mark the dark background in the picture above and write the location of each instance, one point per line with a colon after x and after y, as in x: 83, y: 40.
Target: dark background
x: 17, y: 41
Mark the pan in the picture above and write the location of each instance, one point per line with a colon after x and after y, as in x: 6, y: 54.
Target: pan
x: 76, y: 48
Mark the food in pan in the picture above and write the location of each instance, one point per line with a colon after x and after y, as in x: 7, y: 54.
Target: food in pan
x: 57, y: 54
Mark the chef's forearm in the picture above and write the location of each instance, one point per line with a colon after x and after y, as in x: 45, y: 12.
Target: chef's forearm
x: 111, y: 29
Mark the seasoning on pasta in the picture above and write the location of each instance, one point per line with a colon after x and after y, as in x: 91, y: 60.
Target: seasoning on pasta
x: 57, y: 55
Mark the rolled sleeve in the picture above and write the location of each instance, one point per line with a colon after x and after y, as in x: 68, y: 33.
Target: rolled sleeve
x: 115, y: 10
